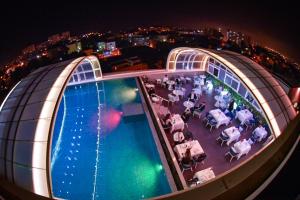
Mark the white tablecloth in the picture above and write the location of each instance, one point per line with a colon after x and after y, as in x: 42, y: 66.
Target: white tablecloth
x: 224, y: 92
x: 177, y: 123
x: 188, y: 78
x: 188, y: 104
x: 197, y: 82
x: 173, y: 98
x: 204, y: 175
x: 233, y: 134
x: 260, y: 132
x: 195, y: 146
x: 242, y: 148
x: 170, y: 82
x: 220, y: 117
x: 178, y: 92
x: 178, y: 136
x: 197, y: 91
x: 148, y: 85
x: 202, y: 76
x: 244, y: 115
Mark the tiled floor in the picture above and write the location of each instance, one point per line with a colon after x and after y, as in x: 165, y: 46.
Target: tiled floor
x: 215, y: 153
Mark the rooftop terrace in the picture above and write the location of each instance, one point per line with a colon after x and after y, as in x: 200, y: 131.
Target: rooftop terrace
x: 214, y: 151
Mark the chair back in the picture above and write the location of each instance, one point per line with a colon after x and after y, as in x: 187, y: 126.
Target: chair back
x: 232, y: 152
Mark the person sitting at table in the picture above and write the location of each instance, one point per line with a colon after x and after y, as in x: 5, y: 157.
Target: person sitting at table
x: 186, y: 115
x: 199, y: 107
x: 192, y: 96
x: 187, y: 159
x: 151, y: 91
x: 167, y: 121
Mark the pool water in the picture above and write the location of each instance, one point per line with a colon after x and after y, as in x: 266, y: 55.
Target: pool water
x: 100, y: 153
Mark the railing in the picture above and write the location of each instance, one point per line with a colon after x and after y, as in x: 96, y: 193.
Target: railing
x: 170, y: 157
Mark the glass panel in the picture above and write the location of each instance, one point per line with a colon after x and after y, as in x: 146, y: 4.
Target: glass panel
x: 87, y: 67
x: 249, y: 97
x: 82, y: 77
x: 89, y: 75
x: 228, y: 80
x: 222, y: 75
x: 216, y: 72
x: 211, y: 69
x: 97, y: 73
x: 79, y: 68
x: 75, y: 78
x: 242, y: 90
x: 234, y: 84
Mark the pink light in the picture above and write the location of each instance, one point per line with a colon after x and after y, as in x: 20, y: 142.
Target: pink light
x: 111, y: 119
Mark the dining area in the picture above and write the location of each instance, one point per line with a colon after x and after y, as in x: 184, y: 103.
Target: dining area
x: 203, y: 134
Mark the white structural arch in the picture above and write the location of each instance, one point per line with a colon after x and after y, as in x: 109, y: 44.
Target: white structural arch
x: 27, y: 118
x: 269, y: 96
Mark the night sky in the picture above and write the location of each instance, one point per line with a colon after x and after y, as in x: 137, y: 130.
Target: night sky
x: 273, y: 24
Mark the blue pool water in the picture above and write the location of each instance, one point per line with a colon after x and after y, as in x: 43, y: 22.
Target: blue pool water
x: 99, y: 153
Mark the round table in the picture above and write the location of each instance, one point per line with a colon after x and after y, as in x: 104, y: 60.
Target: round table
x: 149, y: 85
x: 188, y: 104
x: 218, y: 98
x: 178, y: 92
x: 178, y: 137
x: 155, y: 99
x: 197, y: 91
x: 170, y: 82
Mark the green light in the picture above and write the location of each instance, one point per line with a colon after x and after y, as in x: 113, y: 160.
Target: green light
x: 159, y: 167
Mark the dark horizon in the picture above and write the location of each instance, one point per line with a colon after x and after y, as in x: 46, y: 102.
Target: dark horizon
x: 269, y: 23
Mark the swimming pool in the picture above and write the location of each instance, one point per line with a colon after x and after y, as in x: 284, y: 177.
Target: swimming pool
x: 98, y: 152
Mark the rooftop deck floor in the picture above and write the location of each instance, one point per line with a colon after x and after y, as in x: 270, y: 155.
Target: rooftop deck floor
x: 214, y: 151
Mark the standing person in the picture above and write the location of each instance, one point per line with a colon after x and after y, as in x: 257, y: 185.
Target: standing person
x: 165, y: 79
x: 231, y: 104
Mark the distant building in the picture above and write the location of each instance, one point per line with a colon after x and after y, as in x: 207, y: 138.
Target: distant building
x: 110, y: 46
x: 74, y: 47
x: 139, y: 40
x: 42, y: 46
x: 132, y: 63
x: 101, y: 46
x: 162, y: 38
x: 53, y: 39
x: 238, y: 38
x: 65, y: 35
x: 29, y: 49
